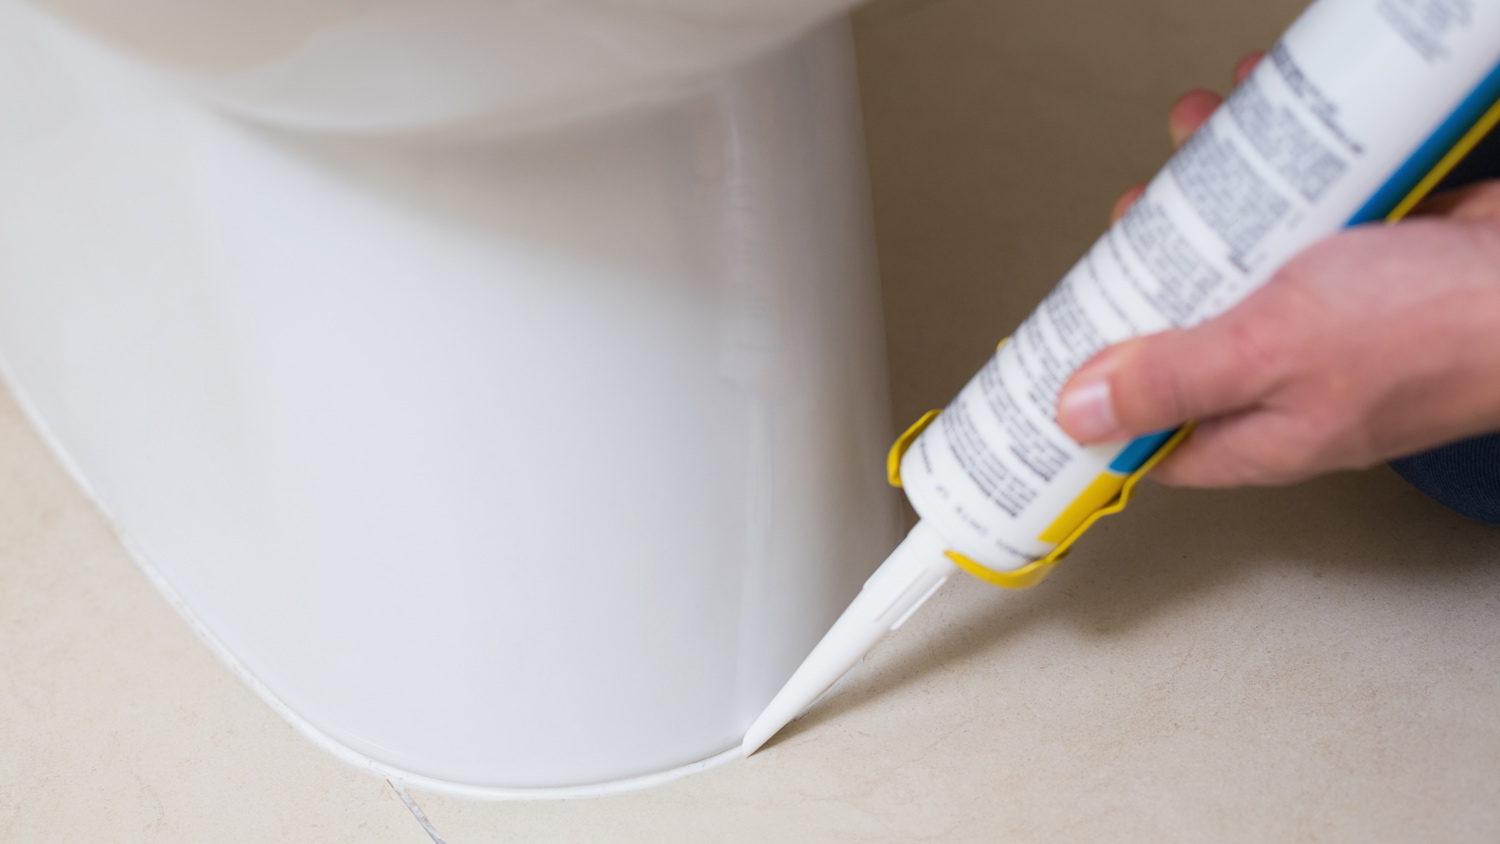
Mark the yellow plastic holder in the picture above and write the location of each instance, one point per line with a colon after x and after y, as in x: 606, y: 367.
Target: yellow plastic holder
x: 1036, y: 571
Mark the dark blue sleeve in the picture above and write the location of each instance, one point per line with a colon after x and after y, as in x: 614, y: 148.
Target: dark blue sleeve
x: 1464, y: 476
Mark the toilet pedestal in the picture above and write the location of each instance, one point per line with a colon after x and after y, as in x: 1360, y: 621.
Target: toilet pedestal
x: 514, y: 467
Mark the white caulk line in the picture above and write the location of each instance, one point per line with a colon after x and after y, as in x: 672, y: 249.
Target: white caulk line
x: 417, y: 811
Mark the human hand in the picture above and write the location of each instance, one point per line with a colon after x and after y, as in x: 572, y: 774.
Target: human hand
x: 1377, y: 342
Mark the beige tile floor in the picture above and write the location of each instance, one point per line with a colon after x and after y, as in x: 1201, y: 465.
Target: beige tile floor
x: 1320, y: 663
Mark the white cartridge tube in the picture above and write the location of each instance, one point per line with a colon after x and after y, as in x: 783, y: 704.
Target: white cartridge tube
x: 1355, y: 104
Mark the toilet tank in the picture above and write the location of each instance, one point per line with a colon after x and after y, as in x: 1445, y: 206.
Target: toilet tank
x: 498, y: 388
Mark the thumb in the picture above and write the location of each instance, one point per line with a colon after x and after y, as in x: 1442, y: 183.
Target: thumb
x: 1160, y: 381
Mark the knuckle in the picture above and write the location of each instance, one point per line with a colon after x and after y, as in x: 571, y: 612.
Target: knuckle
x: 1254, y: 351
x: 1248, y: 460
x: 1285, y: 326
x: 1316, y: 440
x: 1157, y: 395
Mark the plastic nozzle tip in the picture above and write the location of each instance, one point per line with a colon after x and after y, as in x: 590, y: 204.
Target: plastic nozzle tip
x: 767, y: 725
x: 907, y: 578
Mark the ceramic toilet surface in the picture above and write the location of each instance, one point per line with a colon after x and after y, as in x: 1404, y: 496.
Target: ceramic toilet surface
x: 510, y: 466
x: 442, y: 66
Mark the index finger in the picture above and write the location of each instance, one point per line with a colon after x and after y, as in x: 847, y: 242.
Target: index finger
x: 1244, y: 66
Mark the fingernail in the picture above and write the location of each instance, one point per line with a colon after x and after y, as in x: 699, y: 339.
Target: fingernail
x: 1087, y: 414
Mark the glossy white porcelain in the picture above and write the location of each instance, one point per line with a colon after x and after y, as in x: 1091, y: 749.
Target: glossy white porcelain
x: 470, y: 66
x: 518, y: 465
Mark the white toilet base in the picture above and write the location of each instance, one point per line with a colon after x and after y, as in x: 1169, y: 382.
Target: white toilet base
x: 492, y: 468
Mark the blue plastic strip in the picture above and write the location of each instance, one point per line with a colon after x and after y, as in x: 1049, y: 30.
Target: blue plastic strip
x: 1139, y: 451
x: 1431, y: 151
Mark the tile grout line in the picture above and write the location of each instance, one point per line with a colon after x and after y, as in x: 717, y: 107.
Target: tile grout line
x: 416, y: 812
